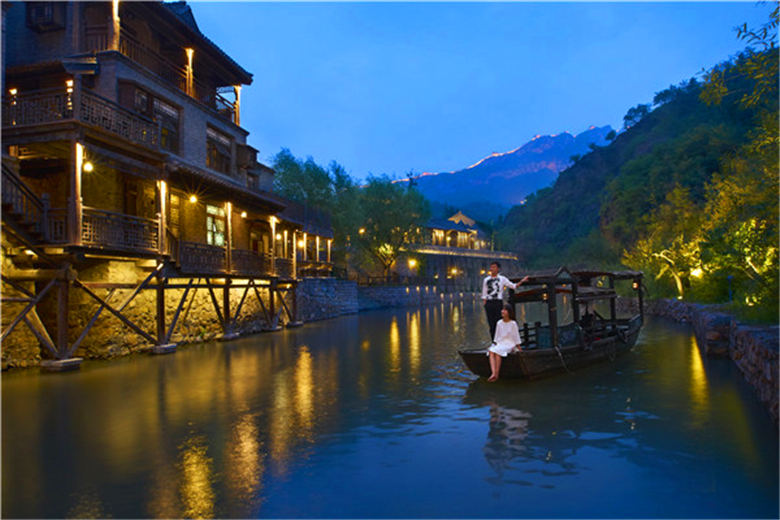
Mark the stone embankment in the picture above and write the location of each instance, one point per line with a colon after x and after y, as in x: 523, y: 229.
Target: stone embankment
x: 754, y: 349
x: 322, y: 299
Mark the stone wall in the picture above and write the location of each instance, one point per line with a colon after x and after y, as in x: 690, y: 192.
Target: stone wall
x: 754, y: 349
x: 377, y: 297
x: 323, y: 298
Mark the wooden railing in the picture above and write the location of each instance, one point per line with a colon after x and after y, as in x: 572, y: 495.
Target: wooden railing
x: 116, y: 230
x: 19, y: 201
x: 53, y: 105
x: 57, y: 226
x: 283, y: 268
x: 310, y: 268
x: 97, y: 40
x: 201, y: 258
x: 101, y: 112
x: 249, y: 262
x: 37, y: 107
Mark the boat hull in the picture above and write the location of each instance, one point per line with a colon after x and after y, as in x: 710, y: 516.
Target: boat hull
x: 539, y: 363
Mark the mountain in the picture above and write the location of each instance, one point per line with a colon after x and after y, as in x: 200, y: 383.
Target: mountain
x: 490, y: 187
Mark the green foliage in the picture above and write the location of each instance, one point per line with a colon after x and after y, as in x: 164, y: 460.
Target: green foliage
x: 635, y: 115
x: 393, y: 216
x: 371, y: 224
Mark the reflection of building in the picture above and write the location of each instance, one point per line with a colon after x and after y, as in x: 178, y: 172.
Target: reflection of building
x: 125, y: 167
x: 455, y: 250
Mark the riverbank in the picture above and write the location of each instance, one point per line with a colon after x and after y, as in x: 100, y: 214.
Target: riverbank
x: 754, y: 349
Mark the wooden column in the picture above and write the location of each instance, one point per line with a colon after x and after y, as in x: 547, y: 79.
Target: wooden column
x: 552, y: 313
x: 162, y: 219
x: 229, y: 236
x: 114, y: 27
x: 63, y: 309
x: 160, y: 309
x: 226, y: 306
x: 273, y: 245
x: 295, y: 253
x: 74, y: 200
x: 575, y: 305
x: 638, y: 281
x: 612, y: 309
x: 237, y: 106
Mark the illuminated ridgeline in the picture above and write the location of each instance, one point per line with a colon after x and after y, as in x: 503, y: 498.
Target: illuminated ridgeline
x: 126, y: 171
x: 455, y: 250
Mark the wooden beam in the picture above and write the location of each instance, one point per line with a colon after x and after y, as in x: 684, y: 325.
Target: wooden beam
x: 178, y: 311
x: 89, y: 326
x: 118, y: 314
x: 27, y: 309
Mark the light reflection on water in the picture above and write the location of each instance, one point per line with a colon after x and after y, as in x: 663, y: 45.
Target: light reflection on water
x: 375, y: 416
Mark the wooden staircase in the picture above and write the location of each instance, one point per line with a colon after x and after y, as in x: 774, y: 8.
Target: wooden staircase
x: 24, y: 214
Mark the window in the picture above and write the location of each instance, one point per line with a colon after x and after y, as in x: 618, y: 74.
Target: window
x: 45, y: 16
x: 168, y: 116
x: 157, y: 109
x: 218, y: 156
x: 215, y: 225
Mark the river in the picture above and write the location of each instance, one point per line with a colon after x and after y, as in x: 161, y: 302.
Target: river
x: 374, y: 416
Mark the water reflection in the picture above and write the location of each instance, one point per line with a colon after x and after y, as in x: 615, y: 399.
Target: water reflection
x: 302, y: 423
x: 196, y: 486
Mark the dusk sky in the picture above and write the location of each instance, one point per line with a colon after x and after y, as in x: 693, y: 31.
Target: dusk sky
x: 392, y: 88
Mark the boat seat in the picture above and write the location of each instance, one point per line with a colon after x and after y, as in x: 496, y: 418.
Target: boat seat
x: 570, y: 334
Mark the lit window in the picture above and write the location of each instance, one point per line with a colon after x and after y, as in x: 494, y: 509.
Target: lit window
x: 215, y: 225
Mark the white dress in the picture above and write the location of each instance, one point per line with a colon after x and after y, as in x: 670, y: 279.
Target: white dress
x: 506, y: 338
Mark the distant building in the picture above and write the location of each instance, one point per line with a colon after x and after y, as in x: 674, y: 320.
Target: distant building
x: 456, y: 251
x: 124, y: 155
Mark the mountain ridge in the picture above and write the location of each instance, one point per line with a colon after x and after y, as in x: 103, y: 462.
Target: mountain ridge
x: 487, y: 189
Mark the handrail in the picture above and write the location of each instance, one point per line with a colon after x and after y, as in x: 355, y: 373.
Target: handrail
x: 23, y: 200
x: 47, y: 106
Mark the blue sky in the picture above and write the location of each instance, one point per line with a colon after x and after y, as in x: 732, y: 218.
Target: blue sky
x: 398, y: 87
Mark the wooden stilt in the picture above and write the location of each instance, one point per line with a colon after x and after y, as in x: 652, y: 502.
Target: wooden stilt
x: 163, y: 345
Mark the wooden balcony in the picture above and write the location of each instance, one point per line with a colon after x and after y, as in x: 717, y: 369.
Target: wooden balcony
x: 284, y: 268
x: 172, y: 73
x: 202, y: 258
x: 119, y: 232
x: 44, y: 107
x: 314, y: 269
x: 249, y: 262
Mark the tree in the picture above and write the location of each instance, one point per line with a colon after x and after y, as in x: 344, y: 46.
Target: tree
x: 635, y: 114
x: 394, y: 216
x: 740, y: 233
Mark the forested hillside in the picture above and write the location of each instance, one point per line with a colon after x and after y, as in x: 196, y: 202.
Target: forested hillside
x: 688, y: 192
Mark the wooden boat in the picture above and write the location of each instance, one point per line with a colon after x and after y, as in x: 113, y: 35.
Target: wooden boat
x: 553, y: 348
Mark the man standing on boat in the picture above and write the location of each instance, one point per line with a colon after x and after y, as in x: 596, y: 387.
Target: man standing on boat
x: 493, y: 295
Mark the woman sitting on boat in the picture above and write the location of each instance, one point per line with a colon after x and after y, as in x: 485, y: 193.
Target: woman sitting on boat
x: 506, y: 340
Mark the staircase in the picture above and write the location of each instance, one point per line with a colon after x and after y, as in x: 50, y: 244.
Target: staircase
x: 24, y: 214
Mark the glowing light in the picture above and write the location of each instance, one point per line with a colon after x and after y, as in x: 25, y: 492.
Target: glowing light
x: 412, y: 263
x: 301, y: 243
x: 362, y: 230
x: 278, y: 236
x: 193, y: 199
x: 697, y: 273
x: 88, y: 167
x: 12, y: 91
x: 454, y: 271
x: 243, y: 214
